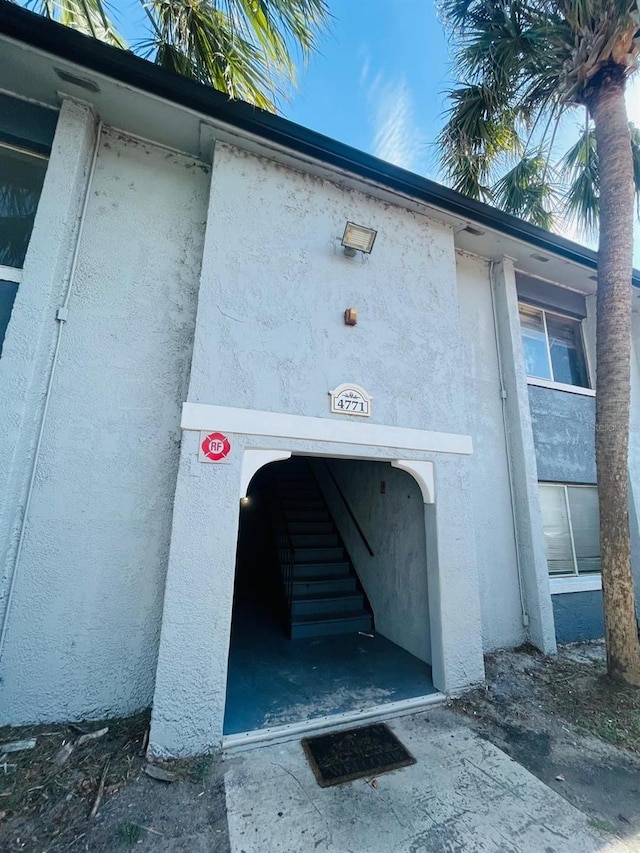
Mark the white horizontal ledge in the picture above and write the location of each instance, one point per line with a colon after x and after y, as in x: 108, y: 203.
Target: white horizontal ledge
x: 576, y: 583
x: 560, y: 386
x: 199, y: 417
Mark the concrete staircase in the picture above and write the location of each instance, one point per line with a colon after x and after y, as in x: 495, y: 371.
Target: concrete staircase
x: 320, y: 584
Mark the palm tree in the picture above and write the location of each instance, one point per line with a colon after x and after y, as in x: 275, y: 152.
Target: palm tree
x: 241, y: 47
x: 524, y: 65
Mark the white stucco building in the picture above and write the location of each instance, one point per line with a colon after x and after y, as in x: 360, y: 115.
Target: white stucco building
x: 172, y: 267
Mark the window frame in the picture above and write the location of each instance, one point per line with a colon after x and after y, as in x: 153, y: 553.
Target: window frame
x: 575, y: 582
x: 588, y: 390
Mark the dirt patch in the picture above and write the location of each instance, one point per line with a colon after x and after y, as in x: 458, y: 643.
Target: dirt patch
x: 582, y: 693
x: 75, y: 792
x: 563, y: 720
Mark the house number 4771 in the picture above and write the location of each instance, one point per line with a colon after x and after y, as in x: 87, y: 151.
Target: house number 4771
x: 350, y: 399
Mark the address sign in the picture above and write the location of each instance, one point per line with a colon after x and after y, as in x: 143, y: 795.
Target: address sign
x: 350, y: 399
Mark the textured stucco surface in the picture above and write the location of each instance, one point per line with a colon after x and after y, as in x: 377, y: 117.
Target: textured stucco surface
x: 395, y: 577
x: 564, y: 435
x: 30, y: 339
x: 531, y: 547
x: 495, y: 542
x: 270, y: 335
x: 275, y: 285
x: 578, y: 616
x: 92, y: 570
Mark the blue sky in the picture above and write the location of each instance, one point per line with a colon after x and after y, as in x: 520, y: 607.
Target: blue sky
x: 378, y: 81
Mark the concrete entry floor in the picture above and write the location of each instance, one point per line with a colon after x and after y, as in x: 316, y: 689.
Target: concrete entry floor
x: 463, y: 795
x: 272, y: 680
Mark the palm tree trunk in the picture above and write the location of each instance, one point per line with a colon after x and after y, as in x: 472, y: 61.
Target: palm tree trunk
x: 613, y: 386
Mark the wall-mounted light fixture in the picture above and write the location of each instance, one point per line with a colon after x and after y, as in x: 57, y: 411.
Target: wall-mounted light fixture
x: 357, y: 238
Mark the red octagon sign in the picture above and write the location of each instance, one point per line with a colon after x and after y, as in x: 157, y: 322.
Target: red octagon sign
x: 215, y: 446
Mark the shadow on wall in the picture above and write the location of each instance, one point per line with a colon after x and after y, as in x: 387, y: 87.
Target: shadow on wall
x: 388, y: 507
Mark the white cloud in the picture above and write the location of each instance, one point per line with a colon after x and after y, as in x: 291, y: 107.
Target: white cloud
x: 364, y: 72
x: 397, y: 137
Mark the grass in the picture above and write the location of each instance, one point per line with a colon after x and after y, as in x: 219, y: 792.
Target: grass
x: 129, y: 833
x: 603, y: 825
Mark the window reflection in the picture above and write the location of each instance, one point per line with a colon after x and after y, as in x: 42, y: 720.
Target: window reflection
x: 21, y: 179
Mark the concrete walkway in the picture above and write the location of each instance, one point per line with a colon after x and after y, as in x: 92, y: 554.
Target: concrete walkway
x: 463, y: 796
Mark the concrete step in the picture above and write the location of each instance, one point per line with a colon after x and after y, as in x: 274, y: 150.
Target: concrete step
x: 318, y: 570
x: 315, y: 540
x: 308, y: 527
x: 331, y: 623
x: 301, y: 486
x: 302, y: 504
x: 314, y: 515
x: 322, y: 605
x: 319, y: 585
x: 318, y: 555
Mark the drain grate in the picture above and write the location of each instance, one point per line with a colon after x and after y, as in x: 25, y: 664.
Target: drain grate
x: 365, y: 751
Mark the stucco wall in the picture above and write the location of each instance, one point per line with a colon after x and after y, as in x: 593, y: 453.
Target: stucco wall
x: 564, y: 435
x: 524, y: 475
x: 495, y: 544
x: 395, y: 577
x: 270, y: 336
x: 275, y: 286
x: 83, y: 632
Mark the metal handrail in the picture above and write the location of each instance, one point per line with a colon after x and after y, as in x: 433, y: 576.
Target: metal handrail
x: 349, y: 510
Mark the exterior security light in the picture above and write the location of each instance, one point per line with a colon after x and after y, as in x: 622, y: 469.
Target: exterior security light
x: 357, y: 238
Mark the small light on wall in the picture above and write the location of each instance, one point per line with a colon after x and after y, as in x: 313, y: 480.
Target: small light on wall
x: 245, y: 501
x: 357, y: 238
x: 351, y: 317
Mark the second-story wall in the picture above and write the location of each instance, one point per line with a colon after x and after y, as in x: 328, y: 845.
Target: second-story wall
x: 275, y: 285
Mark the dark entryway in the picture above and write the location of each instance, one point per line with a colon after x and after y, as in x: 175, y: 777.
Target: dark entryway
x: 304, y: 642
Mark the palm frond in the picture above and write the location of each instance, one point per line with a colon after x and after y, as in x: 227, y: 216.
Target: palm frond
x: 581, y: 202
x: 526, y: 191
x: 242, y: 47
x: 90, y: 17
x: 522, y: 65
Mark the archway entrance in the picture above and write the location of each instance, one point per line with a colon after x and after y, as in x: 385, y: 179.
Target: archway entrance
x: 331, y: 608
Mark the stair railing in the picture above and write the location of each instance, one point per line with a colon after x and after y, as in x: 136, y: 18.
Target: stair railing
x: 284, y: 546
x: 349, y: 510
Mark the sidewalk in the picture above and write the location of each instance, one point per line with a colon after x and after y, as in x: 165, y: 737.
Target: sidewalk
x: 463, y: 795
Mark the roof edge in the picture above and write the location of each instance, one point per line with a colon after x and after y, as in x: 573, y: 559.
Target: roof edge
x: 70, y: 45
